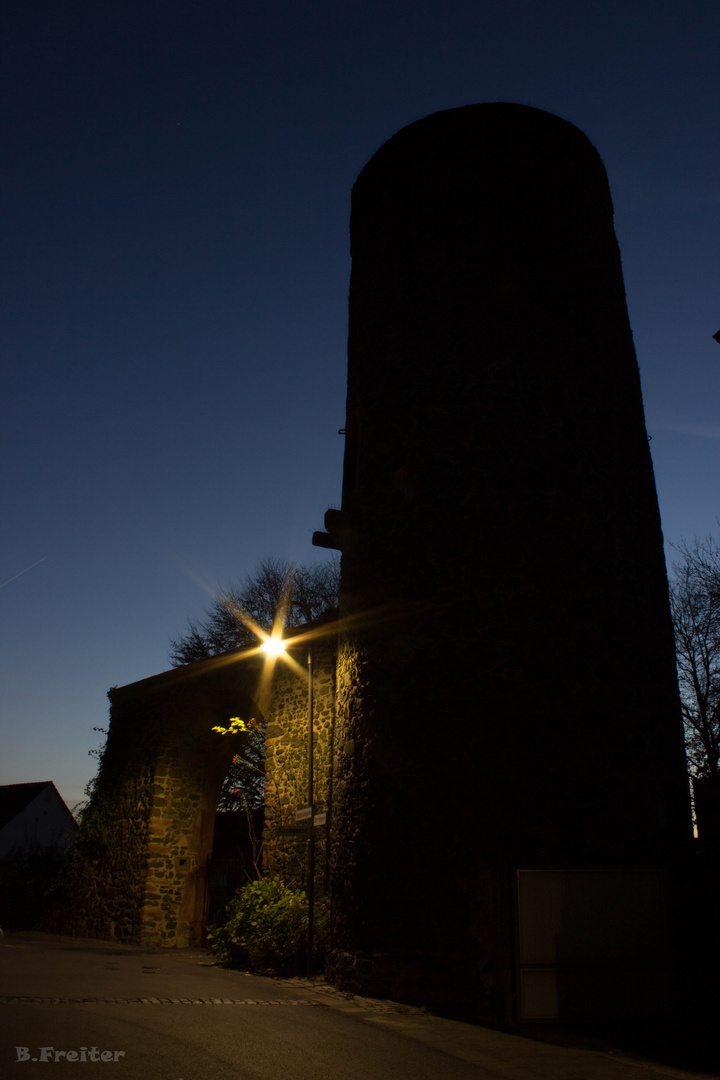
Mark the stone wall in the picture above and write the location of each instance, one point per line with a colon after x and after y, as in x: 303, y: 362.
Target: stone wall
x: 138, y: 872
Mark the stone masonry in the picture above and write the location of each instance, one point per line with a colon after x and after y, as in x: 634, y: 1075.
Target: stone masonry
x: 507, y: 695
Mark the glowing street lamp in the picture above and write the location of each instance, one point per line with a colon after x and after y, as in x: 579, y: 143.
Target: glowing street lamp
x: 274, y: 646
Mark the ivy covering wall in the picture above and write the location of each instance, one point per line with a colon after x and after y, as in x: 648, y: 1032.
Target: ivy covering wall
x: 137, y: 871
x: 100, y: 891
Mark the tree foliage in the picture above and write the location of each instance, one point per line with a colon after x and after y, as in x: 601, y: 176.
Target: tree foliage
x: 244, y: 786
x: 297, y: 595
x: 695, y: 596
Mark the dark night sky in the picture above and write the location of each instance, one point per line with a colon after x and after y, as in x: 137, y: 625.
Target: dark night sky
x: 176, y: 187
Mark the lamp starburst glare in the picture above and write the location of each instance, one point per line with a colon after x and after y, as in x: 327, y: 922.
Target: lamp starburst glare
x: 273, y: 646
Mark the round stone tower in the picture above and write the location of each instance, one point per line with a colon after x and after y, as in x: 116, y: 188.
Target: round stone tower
x: 506, y: 683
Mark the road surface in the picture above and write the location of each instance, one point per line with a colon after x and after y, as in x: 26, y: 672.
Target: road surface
x: 81, y: 1009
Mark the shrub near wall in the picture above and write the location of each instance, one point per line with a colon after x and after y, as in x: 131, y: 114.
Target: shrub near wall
x: 267, y: 926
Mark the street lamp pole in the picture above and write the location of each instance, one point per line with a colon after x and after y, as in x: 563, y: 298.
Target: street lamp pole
x: 274, y: 646
x: 311, y: 831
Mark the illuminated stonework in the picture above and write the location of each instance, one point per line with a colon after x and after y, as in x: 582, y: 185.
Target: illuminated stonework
x: 141, y: 865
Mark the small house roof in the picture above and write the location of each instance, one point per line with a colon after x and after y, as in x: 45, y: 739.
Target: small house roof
x: 15, y: 797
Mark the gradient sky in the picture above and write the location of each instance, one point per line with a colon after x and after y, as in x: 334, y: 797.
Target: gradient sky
x: 176, y: 189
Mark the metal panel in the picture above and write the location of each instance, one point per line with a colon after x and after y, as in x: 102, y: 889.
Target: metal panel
x: 590, y: 942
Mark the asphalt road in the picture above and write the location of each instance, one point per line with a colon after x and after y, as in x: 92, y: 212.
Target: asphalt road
x: 71, y: 1008
x: 82, y: 1009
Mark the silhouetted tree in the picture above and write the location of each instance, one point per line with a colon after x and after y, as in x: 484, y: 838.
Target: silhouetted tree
x: 302, y: 593
x: 299, y: 594
x: 695, y: 595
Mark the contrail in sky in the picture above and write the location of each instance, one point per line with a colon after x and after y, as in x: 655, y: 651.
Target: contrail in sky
x: 703, y: 431
x: 16, y: 576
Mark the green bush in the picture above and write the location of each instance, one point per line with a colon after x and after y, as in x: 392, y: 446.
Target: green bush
x: 266, y: 927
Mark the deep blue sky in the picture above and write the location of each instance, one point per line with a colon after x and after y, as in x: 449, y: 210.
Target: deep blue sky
x: 176, y: 188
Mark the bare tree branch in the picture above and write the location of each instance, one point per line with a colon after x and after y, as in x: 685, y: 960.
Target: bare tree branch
x: 695, y: 596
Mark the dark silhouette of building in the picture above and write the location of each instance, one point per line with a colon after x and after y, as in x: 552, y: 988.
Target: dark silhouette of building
x: 34, y: 820
x: 509, y: 751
